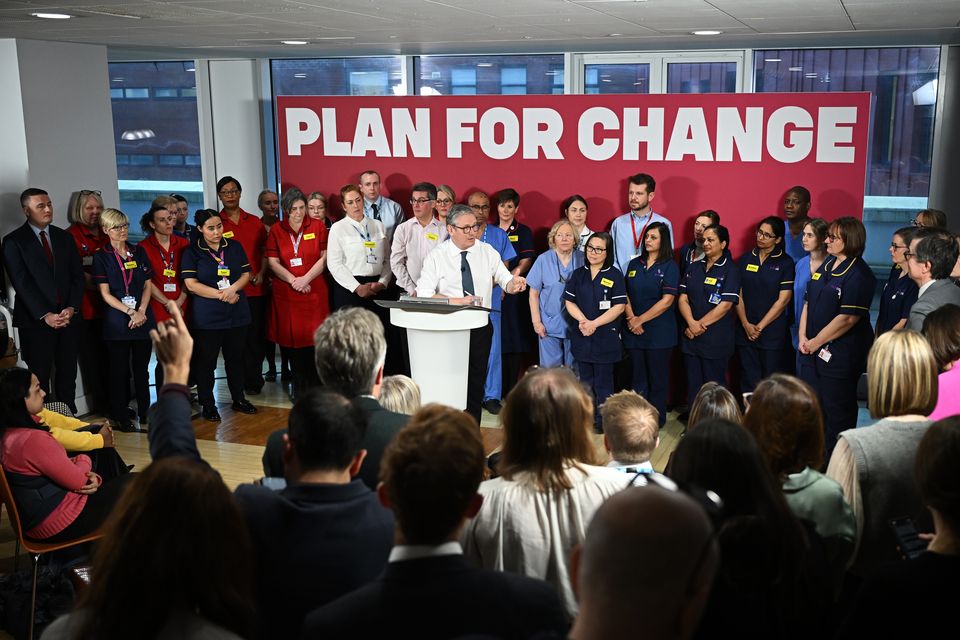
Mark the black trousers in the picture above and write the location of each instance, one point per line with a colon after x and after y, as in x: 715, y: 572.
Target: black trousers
x: 255, y: 344
x: 97, y: 508
x: 207, y: 344
x: 302, y: 363
x: 43, y: 348
x: 395, y: 363
x: 93, y: 366
x: 480, y: 339
x: 126, y: 357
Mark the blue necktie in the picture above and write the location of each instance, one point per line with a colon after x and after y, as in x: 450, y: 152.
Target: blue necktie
x: 466, y: 275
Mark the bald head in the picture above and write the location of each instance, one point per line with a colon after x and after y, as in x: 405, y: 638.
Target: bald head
x: 647, y: 563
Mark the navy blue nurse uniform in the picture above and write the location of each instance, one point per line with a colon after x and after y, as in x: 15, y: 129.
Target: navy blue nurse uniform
x: 516, y: 335
x: 595, y: 355
x: 836, y: 368
x: 650, y: 351
x: 899, y: 294
x: 218, y: 325
x: 128, y: 350
x: 706, y: 356
x: 760, y: 286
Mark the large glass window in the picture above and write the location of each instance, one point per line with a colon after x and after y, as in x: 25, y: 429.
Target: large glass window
x: 338, y: 77
x: 903, y: 84
x: 470, y: 75
x: 616, y: 78
x: 701, y: 77
x: 156, y: 133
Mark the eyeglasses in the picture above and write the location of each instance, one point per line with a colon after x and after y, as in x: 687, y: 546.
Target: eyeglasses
x: 467, y: 228
x: 764, y: 234
x: 119, y: 227
x: 833, y: 238
x: 230, y: 192
x: 480, y: 207
x: 907, y: 255
x: 420, y: 200
x: 894, y: 245
x: 444, y: 201
x: 596, y: 249
x: 89, y: 192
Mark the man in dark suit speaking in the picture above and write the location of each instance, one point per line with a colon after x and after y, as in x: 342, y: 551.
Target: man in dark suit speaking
x: 930, y: 259
x: 47, y: 276
x: 430, y: 475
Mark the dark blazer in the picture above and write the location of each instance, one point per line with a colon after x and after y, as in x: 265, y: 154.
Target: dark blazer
x: 381, y: 428
x: 939, y: 293
x: 38, y: 285
x: 442, y: 597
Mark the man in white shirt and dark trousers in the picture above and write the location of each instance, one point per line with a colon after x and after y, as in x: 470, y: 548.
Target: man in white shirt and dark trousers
x: 464, y: 270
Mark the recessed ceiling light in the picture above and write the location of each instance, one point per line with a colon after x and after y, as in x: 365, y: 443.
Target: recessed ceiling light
x: 52, y: 16
x: 614, y: 35
x: 299, y: 75
x: 771, y: 60
x: 795, y: 69
x: 116, y: 79
x: 809, y: 75
x: 294, y: 42
x: 484, y: 64
x: 707, y: 32
x: 526, y: 37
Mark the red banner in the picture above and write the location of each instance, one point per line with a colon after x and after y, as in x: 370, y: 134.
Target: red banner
x: 735, y: 153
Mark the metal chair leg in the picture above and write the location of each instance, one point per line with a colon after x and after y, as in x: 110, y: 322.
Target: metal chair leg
x: 33, y: 593
x: 16, y: 556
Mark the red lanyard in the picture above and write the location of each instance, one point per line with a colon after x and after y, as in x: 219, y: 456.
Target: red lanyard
x: 633, y: 225
x: 123, y: 272
x: 296, y: 242
x: 167, y: 263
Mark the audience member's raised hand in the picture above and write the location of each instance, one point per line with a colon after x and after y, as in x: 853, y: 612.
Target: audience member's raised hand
x: 174, y: 346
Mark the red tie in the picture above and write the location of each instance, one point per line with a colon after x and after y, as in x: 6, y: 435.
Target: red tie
x: 46, y: 247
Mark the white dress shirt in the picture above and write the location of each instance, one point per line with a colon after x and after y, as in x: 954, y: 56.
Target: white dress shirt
x: 441, y: 272
x: 349, y: 257
x: 412, y: 242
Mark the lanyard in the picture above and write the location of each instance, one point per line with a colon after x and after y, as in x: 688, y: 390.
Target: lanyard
x: 219, y: 258
x: 365, y: 234
x: 560, y: 277
x: 296, y: 242
x: 633, y: 225
x: 167, y: 262
x: 123, y: 273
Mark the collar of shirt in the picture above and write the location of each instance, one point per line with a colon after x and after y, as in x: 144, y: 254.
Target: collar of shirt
x: 36, y: 230
x: 925, y: 287
x: 756, y: 253
x: 416, y: 551
x: 368, y: 205
x: 203, y: 246
x: 92, y: 235
x: 240, y: 220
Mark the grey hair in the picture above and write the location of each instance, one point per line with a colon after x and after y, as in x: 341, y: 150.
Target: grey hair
x: 349, y: 350
x: 400, y: 394
x: 456, y: 211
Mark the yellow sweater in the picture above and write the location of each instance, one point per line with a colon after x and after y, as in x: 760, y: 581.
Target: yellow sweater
x: 64, y: 430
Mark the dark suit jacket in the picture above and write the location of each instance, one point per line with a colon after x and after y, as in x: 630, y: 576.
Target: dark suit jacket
x: 442, y: 597
x: 312, y: 542
x: 36, y: 283
x: 382, y: 425
x: 941, y: 292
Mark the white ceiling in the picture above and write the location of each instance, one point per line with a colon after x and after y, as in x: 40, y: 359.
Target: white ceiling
x: 244, y: 28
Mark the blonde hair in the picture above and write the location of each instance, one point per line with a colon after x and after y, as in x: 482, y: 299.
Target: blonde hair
x: 110, y: 218
x: 713, y: 401
x: 79, y: 203
x: 631, y: 425
x: 447, y: 190
x: 901, y: 375
x: 400, y: 394
x: 552, y: 234
x: 165, y: 202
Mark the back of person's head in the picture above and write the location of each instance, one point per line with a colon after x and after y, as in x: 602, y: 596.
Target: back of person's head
x: 177, y: 541
x: 349, y: 350
x: 713, y: 401
x: 927, y: 218
x: 935, y: 470
x: 400, y: 394
x: 15, y: 384
x: 938, y: 247
x: 326, y: 430
x: 630, y: 426
x: 784, y: 416
x: 647, y: 562
x: 547, y: 425
x: 430, y: 473
x: 941, y: 328
x: 901, y: 375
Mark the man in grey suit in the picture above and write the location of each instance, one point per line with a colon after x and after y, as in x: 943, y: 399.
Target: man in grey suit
x: 931, y: 258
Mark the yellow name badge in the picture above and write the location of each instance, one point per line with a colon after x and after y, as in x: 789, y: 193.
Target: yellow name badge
x: 432, y: 236
x: 709, y: 281
x: 169, y: 273
x: 309, y: 236
x: 228, y: 234
x: 631, y: 273
x: 370, y: 244
x: 753, y: 267
x: 130, y: 265
x: 223, y: 271
x: 816, y: 276
x: 606, y: 282
x: 513, y: 238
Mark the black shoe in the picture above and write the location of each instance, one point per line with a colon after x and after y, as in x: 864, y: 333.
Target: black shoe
x: 127, y: 426
x: 270, y: 376
x: 492, y: 405
x: 253, y: 391
x: 131, y: 413
x: 243, y: 406
x: 683, y: 417
x: 210, y: 413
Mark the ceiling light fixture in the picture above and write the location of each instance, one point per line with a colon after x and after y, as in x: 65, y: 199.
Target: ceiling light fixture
x: 707, y: 32
x: 772, y: 60
x: 293, y: 42
x: 300, y: 75
x: 52, y: 16
x: 795, y: 69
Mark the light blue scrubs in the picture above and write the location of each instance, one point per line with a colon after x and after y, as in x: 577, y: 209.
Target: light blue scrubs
x: 549, y: 277
x: 493, y: 387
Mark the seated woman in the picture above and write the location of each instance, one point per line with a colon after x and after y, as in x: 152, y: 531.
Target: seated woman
x: 58, y: 497
x: 176, y: 540
x: 537, y: 511
x: 784, y: 416
x: 873, y: 463
x: 713, y: 401
x: 772, y: 581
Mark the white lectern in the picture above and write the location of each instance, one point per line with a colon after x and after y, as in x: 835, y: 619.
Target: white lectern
x: 438, y: 337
